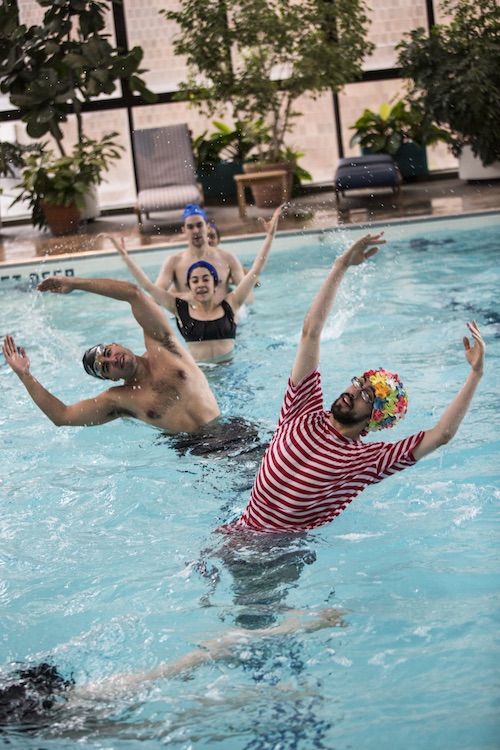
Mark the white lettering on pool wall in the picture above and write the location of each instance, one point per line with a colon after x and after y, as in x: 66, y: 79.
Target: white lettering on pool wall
x: 34, y: 278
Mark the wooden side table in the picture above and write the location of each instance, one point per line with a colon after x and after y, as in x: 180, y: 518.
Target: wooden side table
x: 246, y: 180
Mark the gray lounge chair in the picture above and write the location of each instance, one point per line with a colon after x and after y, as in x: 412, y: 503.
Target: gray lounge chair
x: 165, y: 168
x: 372, y: 170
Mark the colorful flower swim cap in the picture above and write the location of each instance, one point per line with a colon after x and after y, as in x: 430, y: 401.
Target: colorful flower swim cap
x: 391, y: 400
x: 193, y: 210
x: 203, y: 264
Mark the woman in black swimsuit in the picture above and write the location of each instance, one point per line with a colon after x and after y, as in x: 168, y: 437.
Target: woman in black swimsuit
x: 209, y: 328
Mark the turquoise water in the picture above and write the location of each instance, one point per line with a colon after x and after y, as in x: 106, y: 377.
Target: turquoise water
x: 109, y: 562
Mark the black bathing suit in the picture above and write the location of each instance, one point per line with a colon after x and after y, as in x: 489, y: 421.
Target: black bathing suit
x: 205, y: 330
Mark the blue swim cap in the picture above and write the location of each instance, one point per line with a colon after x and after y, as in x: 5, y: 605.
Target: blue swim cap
x: 192, y: 210
x: 203, y: 264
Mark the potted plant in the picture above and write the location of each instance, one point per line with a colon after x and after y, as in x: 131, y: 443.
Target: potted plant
x: 403, y: 131
x: 56, y: 187
x: 11, y: 160
x: 219, y: 156
x: 50, y: 71
x: 260, y: 56
x: 453, y: 73
x: 12, y: 157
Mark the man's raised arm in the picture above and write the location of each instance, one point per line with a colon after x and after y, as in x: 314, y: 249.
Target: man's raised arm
x: 309, y: 347
x: 455, y: 412
x: 161, y: 296
x: 92, y: 411
x: 145, y: 310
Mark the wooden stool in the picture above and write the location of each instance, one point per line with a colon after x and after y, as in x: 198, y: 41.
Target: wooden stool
x: 246, y: 180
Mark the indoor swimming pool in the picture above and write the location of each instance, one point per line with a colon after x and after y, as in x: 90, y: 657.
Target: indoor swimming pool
x: 108, y: 557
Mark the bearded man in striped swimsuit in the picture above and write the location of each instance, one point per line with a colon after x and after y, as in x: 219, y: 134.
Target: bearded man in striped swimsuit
x: 317, y: 463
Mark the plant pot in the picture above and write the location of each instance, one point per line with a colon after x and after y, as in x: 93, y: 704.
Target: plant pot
x: 270, y: 194
x: 471, y: 167
x: 410, y: 158
x: 217, y: 180
x: 61, y: 219
x: 91, y: 210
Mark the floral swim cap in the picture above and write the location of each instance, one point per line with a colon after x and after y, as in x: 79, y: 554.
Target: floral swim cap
x: 391, y: 400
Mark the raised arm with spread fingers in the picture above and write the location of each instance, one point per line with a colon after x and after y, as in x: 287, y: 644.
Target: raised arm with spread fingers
x: 308, y: 353
x: 147, y: 313
x: 454, y: 413
x: 238, y: 296
x: 93, y: 411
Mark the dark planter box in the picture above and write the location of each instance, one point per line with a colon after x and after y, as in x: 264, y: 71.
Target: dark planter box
x: 410, y: 158
x: 217, y: 180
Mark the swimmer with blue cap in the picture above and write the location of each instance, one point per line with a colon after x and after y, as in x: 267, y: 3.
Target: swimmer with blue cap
x: 213, y: 234
x: 173, y: 274
x: 207, y: 316
x: 193, y: 210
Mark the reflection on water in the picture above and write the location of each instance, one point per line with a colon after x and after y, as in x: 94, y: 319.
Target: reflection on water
x: 263, y: 569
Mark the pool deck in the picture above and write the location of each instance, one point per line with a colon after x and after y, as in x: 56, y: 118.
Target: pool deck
x: 438, y: 196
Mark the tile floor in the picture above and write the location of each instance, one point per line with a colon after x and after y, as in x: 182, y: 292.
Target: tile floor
x: 445, y: 195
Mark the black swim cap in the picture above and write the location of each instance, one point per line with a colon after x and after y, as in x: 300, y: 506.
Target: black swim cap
x: 89, y: 363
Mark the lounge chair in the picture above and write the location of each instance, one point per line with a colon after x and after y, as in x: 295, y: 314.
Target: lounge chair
x: 373, y: 170
x: 165, y: 169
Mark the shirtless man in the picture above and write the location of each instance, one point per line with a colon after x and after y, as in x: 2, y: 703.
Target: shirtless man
x: 175, y: 268
x: 163, y: 387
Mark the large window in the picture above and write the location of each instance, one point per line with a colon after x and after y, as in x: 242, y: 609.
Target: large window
x: 322, y: 133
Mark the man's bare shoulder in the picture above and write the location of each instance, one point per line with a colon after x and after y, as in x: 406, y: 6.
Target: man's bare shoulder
x: 175, y: 258
x: 228, y: 256
x: 116, y: 401
x: 166, y: 346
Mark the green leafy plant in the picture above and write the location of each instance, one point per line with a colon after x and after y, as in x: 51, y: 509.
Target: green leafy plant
x: 453, y: 72
x: 50, y: 70
x: 64, y: 180
x: 386, y: 130
x: 260, y: 56
x: 224, y: 144
x: 12, y: 157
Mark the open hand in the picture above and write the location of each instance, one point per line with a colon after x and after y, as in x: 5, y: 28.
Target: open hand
x: 16, y: 358
x: 362, y: 249
x: 270, y: 225
x: 56, y: 285
x: 120, y: 246
x: 475, y: 354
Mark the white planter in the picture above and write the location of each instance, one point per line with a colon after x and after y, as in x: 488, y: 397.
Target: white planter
x: 92, y: 209
x: 471, y: 168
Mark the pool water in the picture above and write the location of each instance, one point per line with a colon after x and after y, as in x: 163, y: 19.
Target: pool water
x: 109, y: 562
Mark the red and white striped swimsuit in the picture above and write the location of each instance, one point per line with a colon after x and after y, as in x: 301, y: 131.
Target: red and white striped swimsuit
x: 310, y: 472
